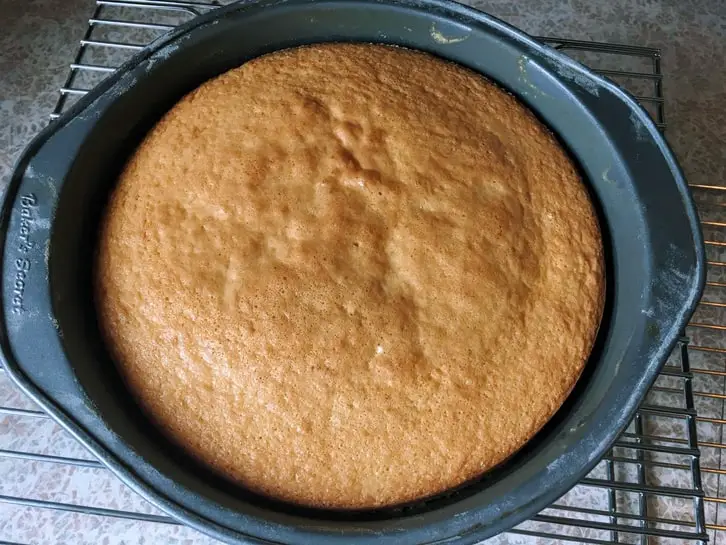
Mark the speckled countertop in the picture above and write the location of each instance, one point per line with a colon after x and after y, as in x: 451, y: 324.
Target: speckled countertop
x: 37, y: 41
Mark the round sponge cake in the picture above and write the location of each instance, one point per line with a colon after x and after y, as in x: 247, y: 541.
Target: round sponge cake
x: 350, y: 276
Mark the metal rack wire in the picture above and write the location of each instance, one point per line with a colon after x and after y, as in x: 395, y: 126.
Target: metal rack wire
x: 657, y: 484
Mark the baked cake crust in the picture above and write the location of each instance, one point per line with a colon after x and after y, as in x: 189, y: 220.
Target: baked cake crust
x: 350, y: 276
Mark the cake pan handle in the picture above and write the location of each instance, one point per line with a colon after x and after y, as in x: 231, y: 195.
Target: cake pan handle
x: 29, y: 331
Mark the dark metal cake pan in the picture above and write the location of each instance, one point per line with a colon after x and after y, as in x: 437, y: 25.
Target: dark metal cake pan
x: 50, y: 338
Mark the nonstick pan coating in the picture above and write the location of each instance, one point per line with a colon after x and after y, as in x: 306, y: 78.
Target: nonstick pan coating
x: 51, y: 210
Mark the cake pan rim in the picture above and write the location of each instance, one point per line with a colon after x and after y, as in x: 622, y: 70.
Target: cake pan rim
x: 86, y: 101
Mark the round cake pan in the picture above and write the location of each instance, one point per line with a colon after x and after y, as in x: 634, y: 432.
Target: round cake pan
x: 50, y: 338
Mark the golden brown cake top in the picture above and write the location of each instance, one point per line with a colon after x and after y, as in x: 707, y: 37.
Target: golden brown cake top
x: 350, y: 275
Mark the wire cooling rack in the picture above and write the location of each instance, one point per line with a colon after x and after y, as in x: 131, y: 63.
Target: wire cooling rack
x: 658, y: 484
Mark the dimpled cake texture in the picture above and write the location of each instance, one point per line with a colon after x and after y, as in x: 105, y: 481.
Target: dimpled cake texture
x: 350, y: 276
